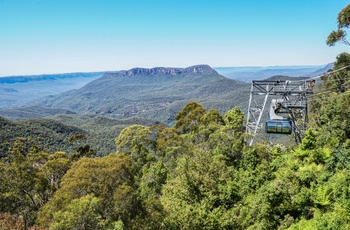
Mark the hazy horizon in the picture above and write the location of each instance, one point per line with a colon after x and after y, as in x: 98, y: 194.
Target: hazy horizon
x: 250, y: 68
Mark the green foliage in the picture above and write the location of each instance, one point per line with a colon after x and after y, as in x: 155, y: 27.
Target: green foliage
x: 61, y: 133
x: 329, y: 108
x: 332, y: 122
x: 340, y: 79
x: 81, y: 213
x: 109, y: 179
x: 344, y: 17
x: 152, y: 180
x: 234, y: 119
x: 21, y: 184
x: 343, y: 20
x: 49, y: 134
x: 83, y: 150
x: 198, y: 174
x: 188, y: 119
x: 309, y: 140
x: 336, y: 36
x: 211, y: 116
x: 137, y: 142
x: 201, y: 194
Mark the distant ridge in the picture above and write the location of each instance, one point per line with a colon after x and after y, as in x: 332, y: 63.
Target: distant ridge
x: 286, y: 78
x: 43, y: 77
x: 18, y: 90
x: 197, y: 69
x: 321, y: 71
x: 248, y: 74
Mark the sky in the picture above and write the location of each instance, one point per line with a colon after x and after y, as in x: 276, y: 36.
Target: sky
x: 59, y: 36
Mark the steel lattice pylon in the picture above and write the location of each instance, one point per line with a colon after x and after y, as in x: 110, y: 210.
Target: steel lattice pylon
x: 294, y: 105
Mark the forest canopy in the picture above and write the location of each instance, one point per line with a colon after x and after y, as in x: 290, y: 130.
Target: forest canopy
x: 198, y: 174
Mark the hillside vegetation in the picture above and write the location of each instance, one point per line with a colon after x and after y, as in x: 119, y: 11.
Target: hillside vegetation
x: 53, y: 134
x: 196, y: 174
x: 49, y: 134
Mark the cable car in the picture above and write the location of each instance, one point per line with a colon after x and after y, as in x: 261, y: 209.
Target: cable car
x: 283, y: 126
x: 276, y: 123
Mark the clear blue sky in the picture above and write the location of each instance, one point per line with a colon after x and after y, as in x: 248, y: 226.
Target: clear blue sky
x: 56, y: 36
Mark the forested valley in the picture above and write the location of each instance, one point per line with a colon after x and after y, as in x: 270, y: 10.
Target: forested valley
x: 198, y: 174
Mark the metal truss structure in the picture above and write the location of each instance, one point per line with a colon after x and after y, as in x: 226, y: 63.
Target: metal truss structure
x: 294, y: 105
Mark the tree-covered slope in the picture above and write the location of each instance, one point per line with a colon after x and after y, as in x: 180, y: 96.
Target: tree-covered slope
x: 53, y: 134
x: 28, y: 112
x: 100, y: 130
x: 49, y: 134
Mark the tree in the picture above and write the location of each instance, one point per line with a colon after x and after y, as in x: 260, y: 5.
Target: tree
x: 136, y: 141
x: 343, y: 23
x: 211, y: 116
x: 228, y: 139
x: 166, y: 138
x: 201, y: 194
x: 188, y: 118
x: 23, y: 188
x: 54, y: 169
x: 82, y: 213
x: 208, y: 124
x: 234, y: 119
x: 109, y: 179
x: 84, y: 149
x: 339, y: 81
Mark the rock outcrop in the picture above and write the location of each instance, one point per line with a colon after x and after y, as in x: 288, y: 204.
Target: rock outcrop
x: 197, y: 69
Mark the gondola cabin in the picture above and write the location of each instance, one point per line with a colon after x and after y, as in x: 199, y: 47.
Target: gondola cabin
x: 281, y: 126
x: 276, y: 123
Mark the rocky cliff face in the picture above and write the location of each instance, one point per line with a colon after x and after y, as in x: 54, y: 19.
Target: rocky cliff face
x: 197, y: 69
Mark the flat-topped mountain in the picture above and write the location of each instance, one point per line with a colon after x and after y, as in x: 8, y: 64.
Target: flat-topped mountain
x: 198, y: 69
x: 157, y: 93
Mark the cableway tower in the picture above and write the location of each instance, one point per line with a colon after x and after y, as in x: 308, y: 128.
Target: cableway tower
x: 288, y: 111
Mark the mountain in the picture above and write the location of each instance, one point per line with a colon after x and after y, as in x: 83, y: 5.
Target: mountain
x: 106, y: 105
x: 18, y: 90
x: 158, y: 93
x: 285, y: 78
x: 248, y: 74
x: 321, y: 71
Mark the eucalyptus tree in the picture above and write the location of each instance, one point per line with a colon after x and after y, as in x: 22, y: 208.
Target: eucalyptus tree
x: 340, y: 34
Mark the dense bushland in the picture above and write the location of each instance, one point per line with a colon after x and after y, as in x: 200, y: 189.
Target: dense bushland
x: 198, y: 174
